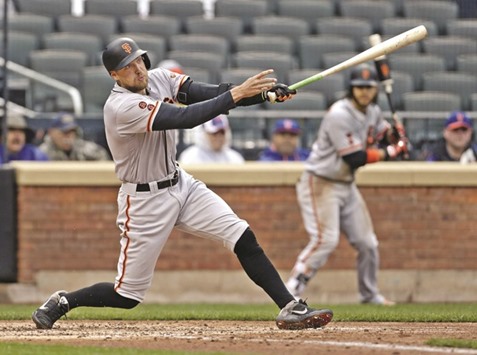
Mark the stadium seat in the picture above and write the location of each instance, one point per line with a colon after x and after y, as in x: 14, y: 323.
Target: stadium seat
x: 402, y: 83
x: 372, y: 11
x: 462, y: 28
x: 180, y: 9
x: 280, y: 62
x: 201, y: 43
x: 245, y: 10
x: 462, y: 84
x: 431, y: 101
x: 238, y: 75
x: 473, y: 101
x: 312, y: 48
x: 198, y: 74
x: 19, y: 46
x: 37, y: 25
x: 49, y: 8
x: 467, y: 63
x: 100, y: 25
x: 90, y: 44
x: 157, y: 25
x: 201, y: 60
x: 331, y: 59
x: 350, y: 27
x: 307, y: 10
x: 304, y: 100
x: 96, y: 85
x: 227, y: 27
x: 449, y: 47
x: 439, y: 12
x: 290, y: 27
x: 119, y: 9
x: 393, y: 26
x: 279, y: 44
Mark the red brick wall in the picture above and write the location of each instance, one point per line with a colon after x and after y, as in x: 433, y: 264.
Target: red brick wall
x: 73, y: 228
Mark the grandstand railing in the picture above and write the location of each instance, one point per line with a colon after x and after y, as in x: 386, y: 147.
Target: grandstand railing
x: 73, y: 92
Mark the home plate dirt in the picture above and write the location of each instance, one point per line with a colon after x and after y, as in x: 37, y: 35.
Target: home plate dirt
x: 241, y: 337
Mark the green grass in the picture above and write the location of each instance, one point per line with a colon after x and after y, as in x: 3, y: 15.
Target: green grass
x: 433, y: 312
x: 453, y: 343
x: 39, y: 349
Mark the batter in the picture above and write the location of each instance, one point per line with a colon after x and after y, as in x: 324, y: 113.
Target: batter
x: 349, y: 137
x: 156, y: 195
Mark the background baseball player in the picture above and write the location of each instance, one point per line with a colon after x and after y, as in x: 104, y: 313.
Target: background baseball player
x: 329, y: 199
x: 156, y: 195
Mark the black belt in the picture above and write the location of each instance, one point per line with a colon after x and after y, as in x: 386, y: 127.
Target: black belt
x: 160, y: 184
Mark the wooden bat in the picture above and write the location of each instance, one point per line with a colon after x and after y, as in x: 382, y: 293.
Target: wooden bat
x: 392, y: 44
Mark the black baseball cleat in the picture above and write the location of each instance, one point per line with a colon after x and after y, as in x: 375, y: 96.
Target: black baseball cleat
x: 297, y: 315
x: 53, y: 309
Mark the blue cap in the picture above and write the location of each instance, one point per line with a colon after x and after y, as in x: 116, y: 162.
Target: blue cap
x: 64, y: 122
x: 287, y: 126
x: 458, y: 119
x: 219, y: 123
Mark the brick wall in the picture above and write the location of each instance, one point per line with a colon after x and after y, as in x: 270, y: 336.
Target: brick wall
x: 73, y: 228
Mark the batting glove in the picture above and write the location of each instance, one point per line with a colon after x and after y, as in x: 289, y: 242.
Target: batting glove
x: 280, y: 93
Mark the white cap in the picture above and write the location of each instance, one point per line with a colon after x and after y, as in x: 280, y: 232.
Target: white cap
x: 216, y: 124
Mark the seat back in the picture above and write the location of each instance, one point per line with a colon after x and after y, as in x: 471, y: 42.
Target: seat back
x: 372, y: 11
x: 354, y: 28
x: 100, y: 25
x: 308, y: 10
x: 245, y: 10
x: 90, y: 44
x: 96, y: 85
x: 312, y: 48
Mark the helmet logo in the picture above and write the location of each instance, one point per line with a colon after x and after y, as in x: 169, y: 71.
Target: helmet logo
x: 127, y: 48
x: 365, y: 74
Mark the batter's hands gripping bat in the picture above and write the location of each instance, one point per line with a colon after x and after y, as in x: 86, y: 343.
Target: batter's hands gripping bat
x: 392, y: 44
x: 384, y: 74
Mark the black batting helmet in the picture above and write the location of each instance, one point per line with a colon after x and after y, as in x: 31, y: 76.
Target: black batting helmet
x: 122, y: 51
x: 363, y: 75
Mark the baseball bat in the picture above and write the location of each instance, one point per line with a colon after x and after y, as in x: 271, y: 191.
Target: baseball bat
x: 384, y: 74
x: 389, y: 46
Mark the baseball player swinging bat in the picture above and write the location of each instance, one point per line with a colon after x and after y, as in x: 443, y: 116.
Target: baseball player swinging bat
x: 392, y: 44
x: 384, y: 74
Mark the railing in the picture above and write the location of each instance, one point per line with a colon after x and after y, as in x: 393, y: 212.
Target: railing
x: 73, y: 92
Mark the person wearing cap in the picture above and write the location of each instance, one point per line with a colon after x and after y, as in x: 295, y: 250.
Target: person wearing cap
x: 353, y: 133
x: 284, y: 145
x: 64, y: 142
x: 212, y: 144
x: 17, y: 141
x: 456, y: 143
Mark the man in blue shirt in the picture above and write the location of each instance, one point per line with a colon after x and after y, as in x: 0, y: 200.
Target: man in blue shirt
x: 17, y: 136
x: 284, y: 145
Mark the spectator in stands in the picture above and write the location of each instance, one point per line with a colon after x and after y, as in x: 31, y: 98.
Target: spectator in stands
x: 284, y: 145
x: 457, y: 143
x: 17, y: 142
x: 64, y: 142
x: 212, y: 144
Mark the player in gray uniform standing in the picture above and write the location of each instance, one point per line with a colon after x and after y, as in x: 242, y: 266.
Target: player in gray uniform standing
x: 156, y: 195
x: 353, y: 133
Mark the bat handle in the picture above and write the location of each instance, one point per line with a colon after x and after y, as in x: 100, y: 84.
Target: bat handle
x: 272, y: 97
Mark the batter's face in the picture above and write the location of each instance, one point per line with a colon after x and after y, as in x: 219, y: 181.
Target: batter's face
x: 133, y: 76
x: 363, y: 96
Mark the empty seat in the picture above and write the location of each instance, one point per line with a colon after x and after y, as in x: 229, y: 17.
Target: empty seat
x: 19, y: 46
x: 290, y: 27
x: 413, y: 48
x: 106, y: 7
x: 402, y: 83
x: 96, y: 85
x: 353, y: 28
x: 50, y: 8
x: 308, y: 10
x: 163, y: 26
x: 227, y: 27
x: 280, y: 62
x: 467, y: 63
x: 440, y: 12
x: 332, y: 59
x: 416, y: 65
x: 280, y: 44
x: 63, y: 65
x: 393, y: 26
x: 449, y: 47
x: 331, y: 86
x: 431, y: 101
x: 372, y: 11
x: 473, y: 101
x: 31, y: 23
x: 238, y: 75
x: 155, y: 46
x: 201, y: 43
x: 462, y: 84
x: 100, y: 25
x: 312, y: 48
x: 198, y: 74
x: 180, y: 9
x: 245, y: 10
x: 462, y: 28
x: 201, y: 60
x: 90, y: 44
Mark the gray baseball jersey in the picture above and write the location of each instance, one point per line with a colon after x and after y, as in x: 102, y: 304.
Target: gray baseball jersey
x: 344, y: 130
x: 330, y: 201
x: 146, y: 217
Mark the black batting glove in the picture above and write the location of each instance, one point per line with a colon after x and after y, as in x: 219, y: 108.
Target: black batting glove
x: 282, y: 92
